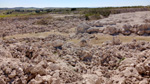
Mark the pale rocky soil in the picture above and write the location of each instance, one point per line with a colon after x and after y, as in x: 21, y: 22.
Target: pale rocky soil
x: 69, y: 55
x: 137, y: 23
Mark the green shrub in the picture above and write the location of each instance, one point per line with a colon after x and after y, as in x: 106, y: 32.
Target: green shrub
x: 95, y: 13
x: 92, y: 16
x: 1, y: 19
x: 44, y: 21
x: 105, y: 13
x: 73, y: 9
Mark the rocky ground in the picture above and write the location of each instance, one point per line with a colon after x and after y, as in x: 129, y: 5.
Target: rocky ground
x: 60, y: 59
x: 37, y: 24
x: 137, y: 23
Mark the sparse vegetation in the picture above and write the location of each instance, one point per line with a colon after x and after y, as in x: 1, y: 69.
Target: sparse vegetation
x: 92, y: 16
x: 95, y: 12
x: 44, y: 21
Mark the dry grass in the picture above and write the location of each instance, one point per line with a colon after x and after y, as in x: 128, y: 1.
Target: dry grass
x: 76, y: 41
x: 36, y: 35
x: 124, y: 39
x: 100, y: 39
x: 40, y: 35
x: 95, y: 41
x: 130, y: 38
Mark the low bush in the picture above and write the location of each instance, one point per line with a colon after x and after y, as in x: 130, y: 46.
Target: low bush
x: 44, y: 21
x: 92, y: 16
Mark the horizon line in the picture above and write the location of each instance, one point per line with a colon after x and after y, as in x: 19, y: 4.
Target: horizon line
x: 71, y: 7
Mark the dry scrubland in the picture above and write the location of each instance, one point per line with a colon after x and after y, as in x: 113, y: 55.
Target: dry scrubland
x: 68, y: 49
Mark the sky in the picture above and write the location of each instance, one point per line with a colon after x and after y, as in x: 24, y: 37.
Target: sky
x: 72, y: 3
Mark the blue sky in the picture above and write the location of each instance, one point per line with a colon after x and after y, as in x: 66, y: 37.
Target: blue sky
x: 71, y: 3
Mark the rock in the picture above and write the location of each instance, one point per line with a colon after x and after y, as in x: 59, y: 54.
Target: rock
x: 117, y: 79
x: 13, y: 74
x: 8, y: 70
x: 144, y: 82
x: 33, y: 81
x: 99, y: 81
x: 147, y: 28
x: 82, y: 28
x: 55, y: 81
x: 90, y: 78
x: 143, y: 29
x: 140, y: 32
x: 2, y: 81
x: 17, y: 81
x: 93, y: 30
x: 126, y: 32
x: 126, y: 29
x: 41, y: 80
x: 87, y: 56
x: 38, y: 69
x: 111, y: 30
x: 83, y: 43
x: 147, y: 65
x: 58, y: 44
x: 101, y: 30
x: 144, y: 68
x: 147, y: 20
x: 54, y: 67
x: 97, y: 24
x: 116, y: 41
